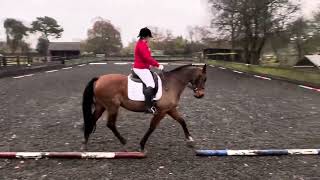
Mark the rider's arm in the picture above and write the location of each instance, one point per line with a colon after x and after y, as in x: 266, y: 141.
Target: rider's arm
x: 145, y: 53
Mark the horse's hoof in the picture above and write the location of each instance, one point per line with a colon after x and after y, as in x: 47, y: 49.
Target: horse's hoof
x: 84, y: 147
x: 125, y: 148
x: 144, y: 151
x: 123, y: 141
x: 190, y: 142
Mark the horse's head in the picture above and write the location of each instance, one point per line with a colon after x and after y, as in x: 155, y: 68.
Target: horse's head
x: 198, y: 81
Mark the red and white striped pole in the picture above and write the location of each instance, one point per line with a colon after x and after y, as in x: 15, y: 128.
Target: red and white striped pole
x: 72, y: 155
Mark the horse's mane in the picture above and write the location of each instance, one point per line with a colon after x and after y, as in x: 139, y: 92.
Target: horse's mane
x: 181, y: 67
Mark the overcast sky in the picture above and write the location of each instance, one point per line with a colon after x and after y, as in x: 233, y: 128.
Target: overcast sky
x: 76, y: 16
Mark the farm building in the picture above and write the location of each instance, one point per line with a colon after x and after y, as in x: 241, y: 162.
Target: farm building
x: 221, y: 50
x: 223, y: 54
x: 64, y: 49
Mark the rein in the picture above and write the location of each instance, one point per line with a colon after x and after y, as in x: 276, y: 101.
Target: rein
x: 164, y: 79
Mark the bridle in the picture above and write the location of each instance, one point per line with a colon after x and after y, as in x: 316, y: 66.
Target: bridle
x: 196, y: 90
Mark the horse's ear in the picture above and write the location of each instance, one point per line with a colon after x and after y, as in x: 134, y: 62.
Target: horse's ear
x: 204, y: 69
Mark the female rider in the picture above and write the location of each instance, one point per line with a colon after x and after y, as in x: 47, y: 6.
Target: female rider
x: 142, y: 64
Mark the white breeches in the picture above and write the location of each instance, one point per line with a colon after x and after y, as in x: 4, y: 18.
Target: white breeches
x: 146, y: 76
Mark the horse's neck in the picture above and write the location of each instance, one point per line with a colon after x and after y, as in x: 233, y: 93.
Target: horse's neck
x: 181, y: 79
x: 185, y: 75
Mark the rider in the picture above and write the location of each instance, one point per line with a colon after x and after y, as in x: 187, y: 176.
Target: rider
x: 142, y: 64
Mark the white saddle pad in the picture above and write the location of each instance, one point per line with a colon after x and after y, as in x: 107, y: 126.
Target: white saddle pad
x: 135, y: 90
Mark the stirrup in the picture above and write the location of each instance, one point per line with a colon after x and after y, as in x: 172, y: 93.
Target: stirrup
x: 152, y: 110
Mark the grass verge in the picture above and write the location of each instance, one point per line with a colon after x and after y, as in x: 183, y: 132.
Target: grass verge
x: 289, y: 74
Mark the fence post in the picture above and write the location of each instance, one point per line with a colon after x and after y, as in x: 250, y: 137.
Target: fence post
x: 18, y: 60
x: 4, y: 61
x: 29, y: 60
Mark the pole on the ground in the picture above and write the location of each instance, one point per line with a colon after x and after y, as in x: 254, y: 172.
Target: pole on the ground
x: 72, y: 155
x: 268, y: 152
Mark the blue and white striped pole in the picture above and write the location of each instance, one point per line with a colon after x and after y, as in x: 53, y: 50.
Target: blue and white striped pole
x: 268, y: 152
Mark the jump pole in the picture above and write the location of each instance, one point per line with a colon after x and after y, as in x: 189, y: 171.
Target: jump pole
x: 72, y: 155
x: 267, y: 152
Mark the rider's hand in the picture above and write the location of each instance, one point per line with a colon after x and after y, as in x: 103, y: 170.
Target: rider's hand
x: 160, y: 67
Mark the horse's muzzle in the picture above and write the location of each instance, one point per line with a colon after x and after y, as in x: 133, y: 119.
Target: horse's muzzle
x: 199, y: 94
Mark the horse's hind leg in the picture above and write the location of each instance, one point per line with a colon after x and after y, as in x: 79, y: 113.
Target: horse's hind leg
x: 111, y: 124
x: 98, y: 111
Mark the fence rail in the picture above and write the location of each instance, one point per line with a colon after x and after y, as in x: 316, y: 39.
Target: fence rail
x: 159, y: 58
x: 23, y: 60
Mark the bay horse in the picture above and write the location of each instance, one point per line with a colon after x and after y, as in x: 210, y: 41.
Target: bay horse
x: 110, y: 92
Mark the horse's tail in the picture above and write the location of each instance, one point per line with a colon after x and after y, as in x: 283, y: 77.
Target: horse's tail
x: 87, y: 102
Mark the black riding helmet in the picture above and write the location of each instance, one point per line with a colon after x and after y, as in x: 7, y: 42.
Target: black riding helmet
x: 145, y: 32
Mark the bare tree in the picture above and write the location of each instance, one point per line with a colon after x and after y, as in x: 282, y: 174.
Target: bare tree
x: 228, y: 19
x: 252, y: 22
x: 199, y: 33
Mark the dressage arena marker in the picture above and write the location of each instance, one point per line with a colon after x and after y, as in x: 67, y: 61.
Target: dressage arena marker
x: 18, y: 77
x: 239, y: 72
x: 261, y: 77
x: 198, y: 64
x: 97, y: 63
x: 81, y: 65
x: 67, y: 68
x: 121, y: 63
x: 268, y: 152
x: 310, y: 88
x: 52, y: 71
x: 72, y: 155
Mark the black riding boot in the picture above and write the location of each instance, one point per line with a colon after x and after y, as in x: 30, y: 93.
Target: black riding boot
x: 148, y: 94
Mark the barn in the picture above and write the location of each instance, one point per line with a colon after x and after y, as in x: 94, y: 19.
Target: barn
x: 221, y: 50
x: 223, y: 54
x: 68, y: 50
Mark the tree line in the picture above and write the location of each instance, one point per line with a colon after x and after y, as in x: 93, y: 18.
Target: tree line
x: 252, y: 24
x: 16, y: 32
x: 102, y: 38
x: 249, y: 25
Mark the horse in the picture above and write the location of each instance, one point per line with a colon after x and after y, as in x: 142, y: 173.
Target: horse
x: 110, y: 92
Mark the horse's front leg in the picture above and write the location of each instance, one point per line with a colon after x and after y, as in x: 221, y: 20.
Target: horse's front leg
x: 153, y: 124
x: 176, y: 116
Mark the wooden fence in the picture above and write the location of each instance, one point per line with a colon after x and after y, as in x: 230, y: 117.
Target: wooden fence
x: 159, y: 58
x: 21, y: 60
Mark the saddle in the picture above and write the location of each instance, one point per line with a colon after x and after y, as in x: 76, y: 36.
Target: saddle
x: 134, y: 77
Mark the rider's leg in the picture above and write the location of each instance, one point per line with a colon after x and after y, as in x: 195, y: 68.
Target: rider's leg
x: 148, y: 94
x: 146, y: 76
